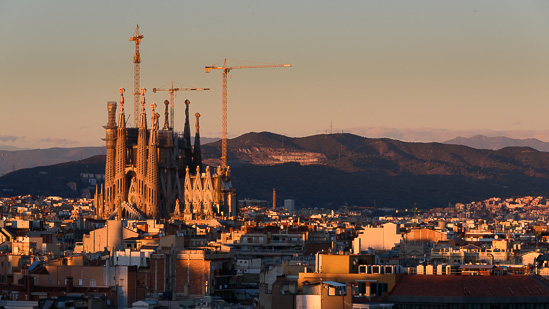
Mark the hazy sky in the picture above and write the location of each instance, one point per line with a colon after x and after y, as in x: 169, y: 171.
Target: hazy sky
x: 453, y: 65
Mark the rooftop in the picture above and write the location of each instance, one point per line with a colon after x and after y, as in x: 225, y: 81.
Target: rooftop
x: 453, y: 288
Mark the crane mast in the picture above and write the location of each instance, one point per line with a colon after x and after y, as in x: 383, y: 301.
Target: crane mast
x: 224, y: 118
x: 225, y: 70
x: 172, y: 91
x: 136, y: 75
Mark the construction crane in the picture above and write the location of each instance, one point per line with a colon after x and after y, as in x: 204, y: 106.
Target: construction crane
x: 172, y: 91
x: 225, y: 69
x: 136, y: 75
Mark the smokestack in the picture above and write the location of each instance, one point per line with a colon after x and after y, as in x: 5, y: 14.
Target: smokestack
x: 274, y: 199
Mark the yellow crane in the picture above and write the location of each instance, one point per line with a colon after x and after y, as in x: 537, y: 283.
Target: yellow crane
x: 172, y: 91
x: 136, y: 75
x: 225, y: 69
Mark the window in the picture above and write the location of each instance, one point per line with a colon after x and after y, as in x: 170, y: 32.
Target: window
x: 362, y: 288
x: 384, y: 287
x: 374, y: 289
x: 336, y: 291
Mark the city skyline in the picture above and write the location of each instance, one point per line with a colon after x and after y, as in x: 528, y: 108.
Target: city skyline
x: 459, y: 67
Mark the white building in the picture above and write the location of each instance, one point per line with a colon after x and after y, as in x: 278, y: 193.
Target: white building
x: 132, y: 258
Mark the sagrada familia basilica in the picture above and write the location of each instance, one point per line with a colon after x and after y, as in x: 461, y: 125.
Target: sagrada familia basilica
x: 156, y: 173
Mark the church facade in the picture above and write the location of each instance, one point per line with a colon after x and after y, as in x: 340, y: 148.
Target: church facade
x: 156, y: 173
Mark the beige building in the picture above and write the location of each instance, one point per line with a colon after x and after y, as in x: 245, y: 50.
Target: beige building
x: 425, y: 235
x: 384, y: 237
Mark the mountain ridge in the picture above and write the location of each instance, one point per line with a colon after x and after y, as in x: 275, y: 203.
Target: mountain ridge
x: 327, y: 170
x: 497, y: 142
x: 20, y: 159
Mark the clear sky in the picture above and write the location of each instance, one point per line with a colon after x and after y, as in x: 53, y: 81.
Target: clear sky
x: 464, y: 66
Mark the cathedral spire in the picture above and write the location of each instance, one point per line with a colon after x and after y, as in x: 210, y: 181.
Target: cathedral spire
x: 110, y: 161
x: 152, y: 168
x: 143, y: 115
x: 154, y: 120
x: 121, y: 116
x: 187, y: 136
x: 197, y: 153
x: 187, y: 129
x: 141, y: 158
x: 166, y: 116
x: 120, y: 165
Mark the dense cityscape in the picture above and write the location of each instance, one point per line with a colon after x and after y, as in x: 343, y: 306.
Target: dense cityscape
x: 163, y: 227
x: 56, y: 250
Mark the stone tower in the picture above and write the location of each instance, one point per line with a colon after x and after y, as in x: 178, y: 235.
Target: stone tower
x: 149, y: 170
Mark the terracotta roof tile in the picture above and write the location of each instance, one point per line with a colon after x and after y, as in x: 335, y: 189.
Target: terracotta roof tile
x: 469, y: 286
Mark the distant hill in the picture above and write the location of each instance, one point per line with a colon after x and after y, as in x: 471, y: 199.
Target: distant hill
x: 207, y: 140
x: 334, y: 169
x: 15, y: 160
x: 10, y: 148
x: 498, y: 142
x: 52, y: 179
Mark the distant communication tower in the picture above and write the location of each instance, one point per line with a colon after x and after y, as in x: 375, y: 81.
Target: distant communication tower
x: 136, y: 75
